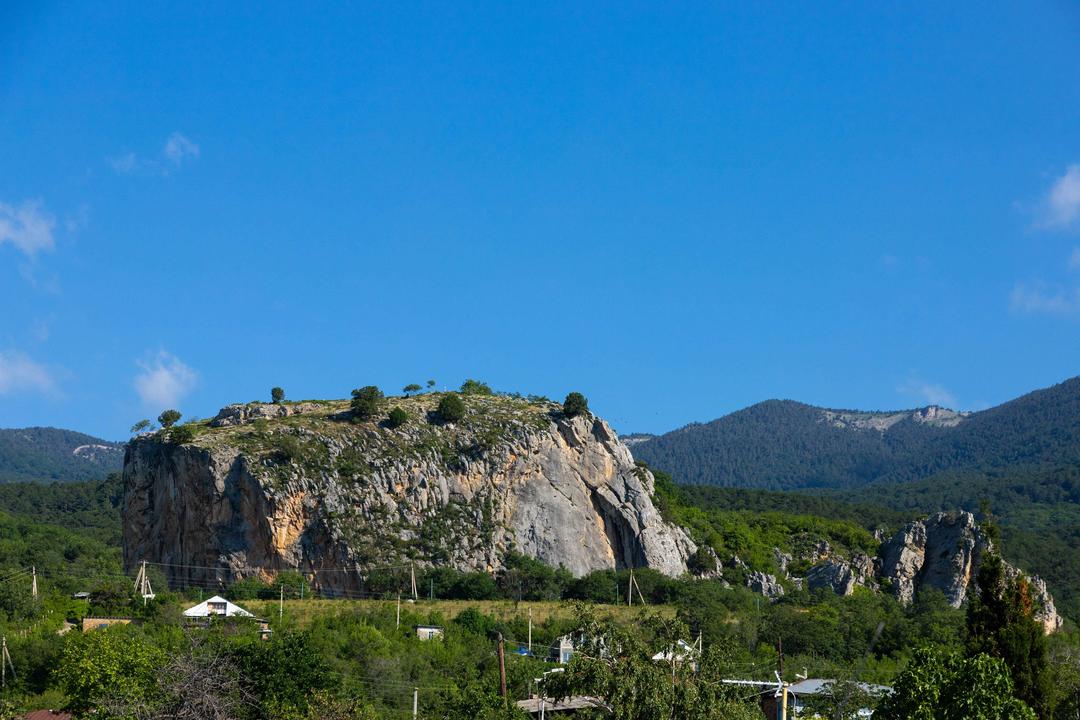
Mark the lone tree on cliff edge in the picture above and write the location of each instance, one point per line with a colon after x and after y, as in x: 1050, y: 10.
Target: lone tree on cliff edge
x: 575, y: 404
x: 168, y: 418
x: 411, y: 388
x: 366, y: 402
x: 277, y: 395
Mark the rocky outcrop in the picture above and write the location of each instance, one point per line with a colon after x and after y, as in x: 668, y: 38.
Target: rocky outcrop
x: 842, y: 576
x: 943, y: 552
x: 765, y: 584
x: 242, y: 413
x: 305, y: 488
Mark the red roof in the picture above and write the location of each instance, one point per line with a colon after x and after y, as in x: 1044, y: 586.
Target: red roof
x: 48, y: 715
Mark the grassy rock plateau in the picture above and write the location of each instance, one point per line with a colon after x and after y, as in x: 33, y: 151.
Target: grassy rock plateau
x: 261, y: 488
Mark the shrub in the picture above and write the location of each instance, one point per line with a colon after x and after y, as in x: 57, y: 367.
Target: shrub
x: 397, y: 418
x: 451, y: 408
x: 168, y: 418
x: 277, y: 395
x: 575, y: 404
x: 475, y: 387
x: 183, y: 434
x: 140, y: 427
x: 366, y: 402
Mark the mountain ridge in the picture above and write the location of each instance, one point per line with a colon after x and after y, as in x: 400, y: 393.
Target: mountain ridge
x: 49, y: 454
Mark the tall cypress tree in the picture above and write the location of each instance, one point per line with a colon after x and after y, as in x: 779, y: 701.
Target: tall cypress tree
x: 1001, y: 623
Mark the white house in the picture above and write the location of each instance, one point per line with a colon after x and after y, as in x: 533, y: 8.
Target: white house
x: 216, y: 606
x: 429, y: 632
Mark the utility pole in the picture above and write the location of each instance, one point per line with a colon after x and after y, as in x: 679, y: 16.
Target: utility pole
x: 33, y: 581
x: 630, y: 589
x: 398, y: 624
x: 142, y: 584
x: 281, y: 602
x: 780, y: 678
x: 415, y: 701
x: 431, y: 588
x: 412, y: 580
x: 5, y: 663
x: 502, y: 667
x: 530, y: 631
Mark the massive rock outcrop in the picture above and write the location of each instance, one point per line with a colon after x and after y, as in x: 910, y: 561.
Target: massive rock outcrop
x: 943, y: 552
x: 266, y: 488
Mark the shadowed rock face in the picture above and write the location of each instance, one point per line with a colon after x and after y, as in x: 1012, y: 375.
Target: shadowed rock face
x: 265, y: 490
x: 943, y: 552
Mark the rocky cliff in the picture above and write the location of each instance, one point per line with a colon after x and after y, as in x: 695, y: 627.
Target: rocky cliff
x: 943, y: 552
x: 262, y: 488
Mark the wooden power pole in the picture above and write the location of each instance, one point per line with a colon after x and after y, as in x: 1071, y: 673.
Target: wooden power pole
x: 502, y: 667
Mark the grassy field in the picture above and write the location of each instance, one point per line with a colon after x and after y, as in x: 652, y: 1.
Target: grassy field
x: 304, y: 611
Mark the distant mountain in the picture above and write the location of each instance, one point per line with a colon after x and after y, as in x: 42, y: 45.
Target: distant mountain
x: 41, y: 454
x: 785, y: 445
x: 1022, y: 458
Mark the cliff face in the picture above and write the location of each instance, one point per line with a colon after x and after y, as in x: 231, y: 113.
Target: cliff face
x: 264, y: 488
x: 943, y: 552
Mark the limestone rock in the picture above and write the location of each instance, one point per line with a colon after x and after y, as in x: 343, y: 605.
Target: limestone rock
x: 332, y: 497
x: 833, y: 574
x: 940, y: 552
x: 765, y: 584
x: 943, y: 552
x: 242, y: 413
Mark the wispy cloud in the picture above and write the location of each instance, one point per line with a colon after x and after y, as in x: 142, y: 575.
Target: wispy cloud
x: 1039, y: 298
x: 1060, y: 209
x: 28, y: 227
x: 18, y: 373
x: 177, y: 150
x: 931, y: 393
x: 1074, y: 259
x: 164, y: 380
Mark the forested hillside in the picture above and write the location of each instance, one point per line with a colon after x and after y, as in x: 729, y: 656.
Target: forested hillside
x: 785, y: 445
x: 1021, y: 458
x: 41, y: 454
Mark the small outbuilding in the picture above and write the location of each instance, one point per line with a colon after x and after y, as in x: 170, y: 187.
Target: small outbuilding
x: 428, y: 632
x: 216, y: 606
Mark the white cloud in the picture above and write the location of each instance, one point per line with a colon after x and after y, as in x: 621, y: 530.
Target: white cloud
x: 931, y: 393
x: 28, y: 227
x: 1040, y: 298
x: 19, y: 373
x: 163, y: 381
x: 177, y: 150
x: 178, y: 147
x: 1061, y: 207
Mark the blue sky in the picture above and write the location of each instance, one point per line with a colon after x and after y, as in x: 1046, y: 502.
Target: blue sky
x: 677, y: 209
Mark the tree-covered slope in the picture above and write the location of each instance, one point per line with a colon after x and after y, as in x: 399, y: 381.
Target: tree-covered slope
x: 784, y: 445
x: 41, y: 454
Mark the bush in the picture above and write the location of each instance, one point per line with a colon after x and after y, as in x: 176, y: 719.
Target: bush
x: 183, y: 434
x: 475, y: 387
x: 451, y: 408
x: 575, y: 404
x: 168, y: 418
x: 366, y: 402
x: 277, y: 395
x: 397, y: 418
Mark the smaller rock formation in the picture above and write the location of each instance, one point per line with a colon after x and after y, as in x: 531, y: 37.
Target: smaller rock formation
x: 842, y: 576
x: 765, y: 584
x: 943, y: 552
